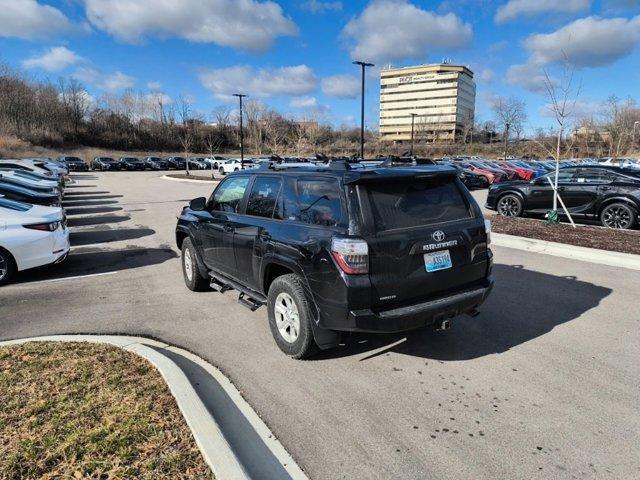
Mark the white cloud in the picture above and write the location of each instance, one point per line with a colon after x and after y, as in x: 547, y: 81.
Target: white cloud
x: 516, y: 8
x: 587, y: 42
x: 304, y: 102
x: 486, y: 75
x: 53, y: 60
x: 316, y: 6
x: 392, y: 30
x: 341, y: 86
x: 529, y: 76
x: 155, y: 86
x: 244, y: 24
x: 29, y: 20
x: 284, y: 81
x: 110, y: 82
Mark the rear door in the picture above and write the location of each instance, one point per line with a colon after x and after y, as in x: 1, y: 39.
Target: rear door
x: 428, y: 239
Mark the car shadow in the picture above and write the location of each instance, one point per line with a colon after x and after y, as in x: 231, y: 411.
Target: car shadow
x: 74, y: 198
x: 81, y: 202
x: 524, y: 305
x: 83, y: 177
x: 90, y: 237
x: 79, y: 186
x: 91, y: 261
x: 98, y: 220
x: 90, y: 210
x: 78, y: 193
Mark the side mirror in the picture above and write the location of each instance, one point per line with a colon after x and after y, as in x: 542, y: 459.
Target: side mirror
x: 198, y: 203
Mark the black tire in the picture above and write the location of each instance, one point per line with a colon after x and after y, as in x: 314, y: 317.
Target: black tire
x: 221, y: 171
x: 190, y: 272
x: 7, y: 267
x: 304, y: 345
x: 618, y: 215
x: 510, y: 205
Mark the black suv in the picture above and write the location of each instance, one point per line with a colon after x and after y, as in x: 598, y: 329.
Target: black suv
x: 609, y: 194
x: 340, y: 248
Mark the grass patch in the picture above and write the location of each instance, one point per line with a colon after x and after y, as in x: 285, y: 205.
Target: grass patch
x: 84, y: 410
x: 624, y: 241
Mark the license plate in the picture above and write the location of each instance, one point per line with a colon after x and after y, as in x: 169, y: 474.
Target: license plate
x: 437, y: 261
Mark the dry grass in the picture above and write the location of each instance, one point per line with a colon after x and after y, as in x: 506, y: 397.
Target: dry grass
x: 81, y: 410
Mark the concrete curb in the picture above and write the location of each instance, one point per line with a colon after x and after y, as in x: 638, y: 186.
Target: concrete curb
x: 592, y: 255
x: 165, y: 177
x: 208, y: 435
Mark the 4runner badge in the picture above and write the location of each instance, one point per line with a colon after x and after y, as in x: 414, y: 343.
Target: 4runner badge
x: 438, y: 235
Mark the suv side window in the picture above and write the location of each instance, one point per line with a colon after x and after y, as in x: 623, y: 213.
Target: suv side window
x: 263, y: 196
x: 319, y: 202
x: 229, y: 194
x: 593, y: 176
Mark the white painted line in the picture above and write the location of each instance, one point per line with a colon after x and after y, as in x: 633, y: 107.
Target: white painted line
x: 67, y: 278
x: 592, y: 255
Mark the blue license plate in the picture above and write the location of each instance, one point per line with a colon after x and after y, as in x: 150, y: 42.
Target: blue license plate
x: 437, y: 261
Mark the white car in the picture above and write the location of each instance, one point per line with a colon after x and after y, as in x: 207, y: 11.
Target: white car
x: 30, y: 236
x: 43, y: 186
x: 214, y: 161
x: 28, y: 166
x: 620, y: 162
x: 230, y: 166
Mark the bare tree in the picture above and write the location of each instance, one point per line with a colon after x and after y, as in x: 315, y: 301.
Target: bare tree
x: 562, y: 96
x: 510, y: 114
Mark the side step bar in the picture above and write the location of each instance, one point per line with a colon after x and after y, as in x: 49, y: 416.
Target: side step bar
x: 247, y: 298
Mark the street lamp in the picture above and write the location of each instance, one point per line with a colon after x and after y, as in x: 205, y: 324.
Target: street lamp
x: 506, y: 138
x: 240, y: 97
x: 413, y: 117
x: 363, y: 65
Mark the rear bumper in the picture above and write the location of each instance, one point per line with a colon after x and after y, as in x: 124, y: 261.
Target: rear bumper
x: 420, y: 314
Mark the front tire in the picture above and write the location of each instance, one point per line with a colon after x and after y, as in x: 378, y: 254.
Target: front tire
x: 7, y: 267
x: 618, y: 215
x: 290, y: 317
x: 510, y: 205
x: 192, y: 277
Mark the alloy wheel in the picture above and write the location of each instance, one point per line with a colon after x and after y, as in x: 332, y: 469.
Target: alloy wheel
x: 188, y: 264
x: 509, y: 207
x: 287, y: 317
x: 617, y: 217
x: 4, y: 267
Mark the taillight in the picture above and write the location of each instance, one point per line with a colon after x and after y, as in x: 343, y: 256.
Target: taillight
x: 45, y: 227
x: 351, y: 255
x: 487, y: 229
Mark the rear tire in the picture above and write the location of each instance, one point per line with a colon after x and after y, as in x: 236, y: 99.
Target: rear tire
x: 510, y: 205
x: 618, y: 215
x: 290, y: 317
x: 192, y: 277
x: 7, y: 267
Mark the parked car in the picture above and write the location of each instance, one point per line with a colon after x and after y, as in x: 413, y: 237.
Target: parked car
x: 23, y: 194
x: 28, y: 166
x: 197, y: 163
x: 35, y: 185
x: 179, y: 163
x: 608, y: 194
x: 155, y: 163
x: 49, y: 164
x: 492, y: 176
x: 214, y: 161
x: 131, y: 163
x: 74, y: 164
x: 334, y: 249
x: 31, y: 236
x: 232, y: 165
x: 105, y: 163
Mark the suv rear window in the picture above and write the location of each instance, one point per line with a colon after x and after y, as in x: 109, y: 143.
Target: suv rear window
x: 415, y: 203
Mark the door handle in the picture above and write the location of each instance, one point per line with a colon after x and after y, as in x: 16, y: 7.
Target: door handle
x: 264, y: 236
x: 228, y: 228
x: 606, y: 188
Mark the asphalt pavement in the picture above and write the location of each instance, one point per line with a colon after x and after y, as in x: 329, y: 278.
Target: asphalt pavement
x: 542, y: 384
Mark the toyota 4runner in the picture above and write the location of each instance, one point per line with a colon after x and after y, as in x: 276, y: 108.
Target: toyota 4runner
x: 338, y: 248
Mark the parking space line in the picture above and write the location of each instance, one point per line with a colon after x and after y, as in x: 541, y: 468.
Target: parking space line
x: 68, y: 278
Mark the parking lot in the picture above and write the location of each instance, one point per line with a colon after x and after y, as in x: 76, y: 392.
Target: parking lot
x: 542, y: 384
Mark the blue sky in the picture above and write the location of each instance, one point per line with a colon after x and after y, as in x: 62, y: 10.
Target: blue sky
x: 295, y: 55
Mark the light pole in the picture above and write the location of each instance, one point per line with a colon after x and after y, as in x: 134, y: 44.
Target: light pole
x: 506, y: 138
x: 240, y: 97
x: 363, y: 65
x: 413, y: 118
x: 633, y: 135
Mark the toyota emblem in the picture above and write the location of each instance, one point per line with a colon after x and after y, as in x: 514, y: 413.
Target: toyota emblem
x: 438, y: 235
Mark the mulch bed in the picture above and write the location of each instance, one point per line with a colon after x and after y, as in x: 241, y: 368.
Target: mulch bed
x: 624, y: 241
x: 183, y: 176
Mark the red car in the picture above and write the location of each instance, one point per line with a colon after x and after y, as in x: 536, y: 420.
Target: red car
x: 491, y: 176
x: 523, y: 173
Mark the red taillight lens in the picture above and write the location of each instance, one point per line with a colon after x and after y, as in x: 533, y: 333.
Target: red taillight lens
x: 45, y: 227
x: 351, y: 255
